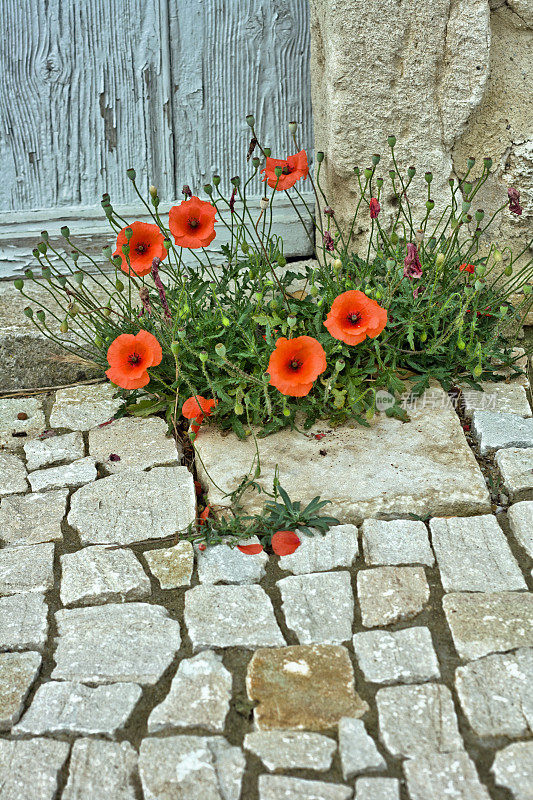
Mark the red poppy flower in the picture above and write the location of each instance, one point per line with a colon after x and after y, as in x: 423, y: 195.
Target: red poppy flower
x: 192, y: 223
x: 250, y: 549
x: 295, y: 364
x: 412, y: 266
x: 204, y: 515
x: 354, y: 316
x: 145, y: 245
x: 292, y: 169
x: 129, y: 357
x: 514, y: 201
x: 285, y: 542
x: 375, y: 208
x: 197, y: 408
x: 467, y: 268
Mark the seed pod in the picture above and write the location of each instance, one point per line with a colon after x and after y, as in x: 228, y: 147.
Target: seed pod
x: 131, y: 174
x: 391, y: 141
x: 19, y: 284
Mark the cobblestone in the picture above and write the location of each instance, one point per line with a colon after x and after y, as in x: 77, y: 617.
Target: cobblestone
x: 101, y: 769
x: 18, y: 671
x: 29, y: 770
x: 10, y: 408
x: 12, y: 475
x: 281, y: 750
x: 389, y: 594
x: 338, y: 547
x: 309, y: 612
x: 54, y: 449
x: 100, y: 574
x: 32, y: 518
x: 513, y: 769
x: 276, y: 787
x: 516, y: 468
x: 509, y: 398
x: 449, y: 775
x: 357, y: 749
x: 493, y: 431
x: 172, y: 566
x: 73, y: 475
x: 405, y: 656
x: 140, y: 444
x: 26, y: 569
x: 521, y: 521
x: 23, y: 622
x: 377, y: 789
x: 224, y: 564
x: 399, y: 541
x: 80, y: 408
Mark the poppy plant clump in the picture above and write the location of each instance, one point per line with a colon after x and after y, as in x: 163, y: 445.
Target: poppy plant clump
x: 195, y: 312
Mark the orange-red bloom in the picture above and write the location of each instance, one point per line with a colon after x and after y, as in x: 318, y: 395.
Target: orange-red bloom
x: 292, y: 169
x: 145, y: 245
x: 285, y: 542
x: 354, y: 316
x: 192, y: 223
x: 375, y: 207
x: 129, y: 357
x: 197, y: 408
x: 467, y: 268
x: 295, y: 364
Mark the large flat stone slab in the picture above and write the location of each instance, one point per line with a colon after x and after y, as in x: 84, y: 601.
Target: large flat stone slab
x: 107, y: 644
x: 516, y: 468
x: 190, y: 768
x: 495, y: 693
x: 23, y: 622
x: 29, y: 770
x: 17, y: 674
x: 309, y: 610
x: 513, y: 769
x: 65, y: 707
x: 134, y: 506
x: 32, y: 518
x: 421, y: 467
x: 199, y: 696
x: 283, y: 750
x: 489, y: 623
x: 81, y: 408
x: 138, y: 443
x: 439, y: 775
x: 303, y: 687
x: 473, y: 555
x: 100, y: 574
x: 231, y: 616
x: 101, y: 769
x: 26, y: 569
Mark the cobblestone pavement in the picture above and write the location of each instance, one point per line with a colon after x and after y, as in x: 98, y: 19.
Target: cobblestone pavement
x: 387, y: 661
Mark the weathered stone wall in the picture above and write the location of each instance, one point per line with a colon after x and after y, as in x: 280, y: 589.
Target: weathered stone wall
x: 450, y: 78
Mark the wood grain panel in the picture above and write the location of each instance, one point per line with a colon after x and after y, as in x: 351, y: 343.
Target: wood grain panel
x: 230, y: 58
x: 84, y: 94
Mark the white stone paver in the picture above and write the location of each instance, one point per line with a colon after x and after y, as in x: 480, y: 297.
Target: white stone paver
x: 495, y: 693
x: 18, y: 671
x: 32, y: 518
x: 199, y: 696
x: 283, y: 750
x: 172, y: 566
x: 508, y: 398
x: 100, y: 769
x: 23, y: 622
x: 73, y: 475
x: 29, y: 770
x: 139, y: 444
x: 113, y: 643
x: 12, y: 475
x: 473, y: 555
x: 513, y: 769
x: 443, y: 775
x: 483, y: 623
x: 102, y: 574
x: 231, y: 616
x: 83, y: 407
x: 54, y: 449
x: 399, y: 541
x: 26, y: 569
x: 357, y: 749
x: 416, y: 720
x: 32, y: 422
x: 318, y: 607
x: 390, y: 594
x: 516, y: 468
x: 65, y: 707
x: 338, y: 547
x: 494, y: 431
x: 278, y: 787
x: 520, y: 518
x: 134, y: 506
x: 405, y: 656
x: 224, y: 564
x: 190, y: 768
x: 377, y: 789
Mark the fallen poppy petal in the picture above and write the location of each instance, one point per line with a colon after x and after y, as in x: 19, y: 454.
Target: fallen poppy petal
x: 250, y: 549
x: 285, y: 542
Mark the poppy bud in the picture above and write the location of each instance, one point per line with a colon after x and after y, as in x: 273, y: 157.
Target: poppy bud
x: 368, y: 172
x: 392, y: 174
x: 245, y: 247
x: 478, y: 370
x: 46, y: 273
x: 411, y: 172
x: 119, y: 285
x: 75, y: 255
x: 78, y: 277
x: 337, y: 264
x: 42, y: 248
x: 65, y: 232
x: 220, y: 350
x: 391, y: 141
x: 428, y: 177
x: 460, y: 344
x: 282, y: 261
x: 64, y: 326
x: 527, y: 289
x: 153, y: 191
x: 487, y: 162
x: 423, y: 336
x: 128, y: 233
x: 508, y: 270
x: 35, y: 252
x: 225, y: 322
x: 286, y: 412
x: 203, y: 356
x: 439, y: 261
x: 216, y: 180
x: 339, y: 365
x: 390, y: 263
x: 497, y: 256
x: 320, y: 156
x: 277, y: 172
x: 250, y: 120
x: 480, y: 270
x: 208, y: 189
x: 62, y: 281
x: 394, y: 238
x: 451, y: 182
x: 470, y: 162
x: 175, y: 348
x: 19, y: 284
x: 255, y: 162
x: 292, y: 127
x: 379, y: 182
x: 98, y: 341
x: 131, y: 174
x: 267, y: 151
x: 430, y: 205
x: 40, y: 315
x: 236, y: 181
x: 125, y: 249
x: 117, y: 261
x: 291, y: 320
x: 376, y: 159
